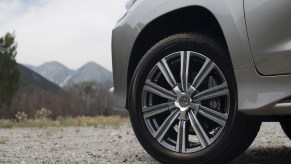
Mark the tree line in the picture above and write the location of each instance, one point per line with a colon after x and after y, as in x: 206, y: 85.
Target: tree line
x: 84, y: 99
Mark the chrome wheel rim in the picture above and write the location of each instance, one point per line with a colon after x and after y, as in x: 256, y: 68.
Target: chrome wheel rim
x: 185, y: 102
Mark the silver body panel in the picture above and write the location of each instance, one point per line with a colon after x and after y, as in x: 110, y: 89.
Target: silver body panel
x: 256, y: 94
x: 261, y: 95
x: 269, y: 23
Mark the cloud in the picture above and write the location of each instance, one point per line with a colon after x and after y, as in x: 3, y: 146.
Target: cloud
x: 70, y: 31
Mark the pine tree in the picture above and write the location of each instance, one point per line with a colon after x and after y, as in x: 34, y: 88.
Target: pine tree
x: 9, y: 71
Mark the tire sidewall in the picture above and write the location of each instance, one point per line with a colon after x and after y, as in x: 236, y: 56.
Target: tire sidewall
x: 214, y: 52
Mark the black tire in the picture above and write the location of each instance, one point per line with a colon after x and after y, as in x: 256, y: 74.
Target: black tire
x: 239, y: 131
x: 286, y: 126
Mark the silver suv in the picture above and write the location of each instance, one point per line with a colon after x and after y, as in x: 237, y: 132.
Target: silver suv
x: 199, y: 76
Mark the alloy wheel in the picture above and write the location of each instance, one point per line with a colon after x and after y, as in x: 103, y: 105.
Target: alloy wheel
x: 185, y: 102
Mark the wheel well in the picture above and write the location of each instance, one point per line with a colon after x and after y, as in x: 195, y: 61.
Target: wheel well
x: 192, y: 19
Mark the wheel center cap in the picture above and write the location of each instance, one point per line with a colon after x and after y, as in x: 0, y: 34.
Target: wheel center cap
x: 184, y: 102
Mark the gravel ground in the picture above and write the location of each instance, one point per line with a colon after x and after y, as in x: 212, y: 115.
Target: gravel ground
x: 115, y: 145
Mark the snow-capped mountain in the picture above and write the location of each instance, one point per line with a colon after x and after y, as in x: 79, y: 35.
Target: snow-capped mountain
x: 63, y: 76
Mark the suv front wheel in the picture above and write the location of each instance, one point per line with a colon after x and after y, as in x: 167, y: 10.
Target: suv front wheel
x: 183, y: 103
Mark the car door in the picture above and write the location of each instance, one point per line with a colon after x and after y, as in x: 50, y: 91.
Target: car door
x: 269, y: 28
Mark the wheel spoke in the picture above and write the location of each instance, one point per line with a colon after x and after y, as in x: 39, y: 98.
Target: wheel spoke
x: 191, y: 90
x: 158, y: 90
x: 213, y: 115
x: 203, y: 72
x: 200, y: 132
x: 213, y: 92
x: 156, y: 109
x: 163, y: 129
x: 181, y: 137
x: 195, y: 107
x: 184, y: 70
x: 166, y: 71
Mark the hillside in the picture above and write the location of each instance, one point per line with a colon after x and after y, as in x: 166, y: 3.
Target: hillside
x: 36, y: 92
x: 29, y: 78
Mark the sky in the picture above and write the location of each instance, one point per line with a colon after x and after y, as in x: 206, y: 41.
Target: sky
x: 72, y: 32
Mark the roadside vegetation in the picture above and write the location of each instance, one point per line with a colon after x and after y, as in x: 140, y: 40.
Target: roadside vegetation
x: 42, y: 119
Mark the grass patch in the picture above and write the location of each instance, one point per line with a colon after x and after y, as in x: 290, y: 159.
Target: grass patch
x: 66, y: 122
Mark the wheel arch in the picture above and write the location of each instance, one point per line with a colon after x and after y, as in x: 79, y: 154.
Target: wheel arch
x: 193, y: 19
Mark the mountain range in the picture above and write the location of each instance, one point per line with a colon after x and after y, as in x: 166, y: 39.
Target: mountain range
x: 63, y: 76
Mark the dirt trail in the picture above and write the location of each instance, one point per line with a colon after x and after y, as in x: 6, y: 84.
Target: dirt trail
x: 115, y: 145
